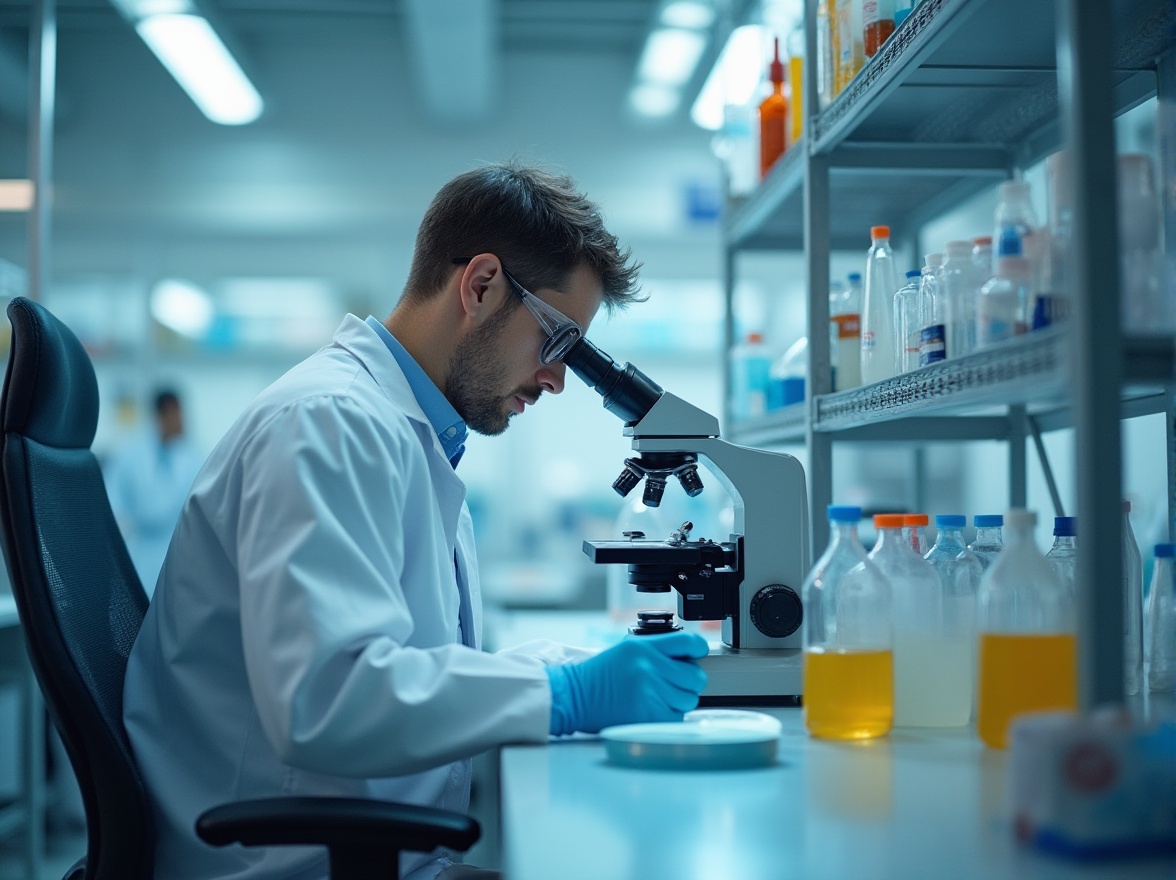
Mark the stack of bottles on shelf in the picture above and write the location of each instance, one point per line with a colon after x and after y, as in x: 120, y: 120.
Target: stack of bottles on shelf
x: 943, y: 634
x: 982, y: 292
x: 848, y: 33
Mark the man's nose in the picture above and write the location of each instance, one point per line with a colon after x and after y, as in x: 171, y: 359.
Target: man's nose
x: 551, y: 377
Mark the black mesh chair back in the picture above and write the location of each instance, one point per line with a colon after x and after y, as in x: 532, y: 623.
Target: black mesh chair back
x: 80, y: 601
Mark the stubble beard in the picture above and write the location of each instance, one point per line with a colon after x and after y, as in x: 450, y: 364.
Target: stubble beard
x: 475, y: 373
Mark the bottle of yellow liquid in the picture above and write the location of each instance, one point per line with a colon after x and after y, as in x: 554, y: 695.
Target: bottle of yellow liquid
x: 1028, y: 652
x: 848, y: 647
x: 773, y: 116
x: 795, y: 86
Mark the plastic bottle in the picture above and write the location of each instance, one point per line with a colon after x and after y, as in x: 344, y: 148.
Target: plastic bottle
x: 826, y: 52
x: 1161, y: 622
x: 877, y: 309
x: 1063, y: 555
x: 851, y: 56
x: 848, y: 647
x: 1002, y: 303
x: 773, y: 116
x: 1014, y: 207
x: 1028, y: 652
x: 845, y: 315
x: 914, y: 529
x: 933, y: 333
x: 750, y: 365
x: 1132, y: 608
x: 796, y: 84
x: 959, y: 571
x: 1145, y: 305
x: 928, y: 667
x: 957, y: 285
x: 908, y: 323
x: 878, y: 21
x: 786, y: 379
x: 982, y: 260
x: 1049, y: 302
x: 988, y: 543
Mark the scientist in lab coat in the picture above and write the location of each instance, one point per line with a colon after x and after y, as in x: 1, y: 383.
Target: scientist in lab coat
x: 147, y: 481
x: 316, y: 627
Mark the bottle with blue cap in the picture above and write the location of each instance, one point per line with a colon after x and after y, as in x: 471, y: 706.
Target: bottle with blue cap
x: 1063, y: 555
x: 847, y: 637
x: 1161, y: 623
x: 959, y: 571
x: 988, y: 541
x: 909, y: 318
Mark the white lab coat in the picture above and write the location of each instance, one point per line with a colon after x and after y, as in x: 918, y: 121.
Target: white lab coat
x: 306, y: 634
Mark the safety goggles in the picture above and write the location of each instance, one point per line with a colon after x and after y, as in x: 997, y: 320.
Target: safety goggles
x: 562, y: 332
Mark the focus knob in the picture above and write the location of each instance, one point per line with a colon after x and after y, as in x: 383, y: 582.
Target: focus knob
x: 776, y: 611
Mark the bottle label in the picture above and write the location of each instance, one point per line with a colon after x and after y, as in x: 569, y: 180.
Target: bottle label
x: 871, y: 12
x: 932, y: 345
x: 869, y: 341
x: 849, y: 326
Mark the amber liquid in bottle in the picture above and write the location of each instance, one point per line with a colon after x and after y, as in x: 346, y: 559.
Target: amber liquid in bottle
x: 876, y: 33
x: 848, y: 694
x: 774, y: 122
x: 1023, y: 673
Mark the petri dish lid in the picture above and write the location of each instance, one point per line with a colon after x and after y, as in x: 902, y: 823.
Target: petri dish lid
x: 705, y: 740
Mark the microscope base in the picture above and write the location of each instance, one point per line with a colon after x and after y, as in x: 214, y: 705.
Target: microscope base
x: 752, y: 677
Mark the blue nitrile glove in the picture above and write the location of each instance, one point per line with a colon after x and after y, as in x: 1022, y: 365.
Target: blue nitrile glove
x: 642, y: 678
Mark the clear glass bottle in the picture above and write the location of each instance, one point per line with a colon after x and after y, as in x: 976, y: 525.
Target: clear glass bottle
x: 848, y: 642
x: 933, y: 334
x: 1132, y: 608
x: 959, y: 571
x: 982, y: 261
x: 908, y: 323
x: 923, y: 686
x: 851, y: 55
x: 914, y: 529
x: 1063, y: 555
x: 1161, y: 622
x: 1028, y: 653
x: 957, y: 284
x: 877, y: 309
x: 988, y: 542
x: 1003, y: 301
x: 845, y: 321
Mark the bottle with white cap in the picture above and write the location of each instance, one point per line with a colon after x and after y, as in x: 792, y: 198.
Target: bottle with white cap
x: 1004, y: 299
x: 1028, y: 650
x: 1014, y: 207
x: 957, y: 282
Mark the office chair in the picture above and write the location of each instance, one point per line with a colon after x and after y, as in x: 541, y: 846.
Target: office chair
x: 81, y: 605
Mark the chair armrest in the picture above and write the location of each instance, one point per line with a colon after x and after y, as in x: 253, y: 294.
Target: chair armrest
x: 337, y: 822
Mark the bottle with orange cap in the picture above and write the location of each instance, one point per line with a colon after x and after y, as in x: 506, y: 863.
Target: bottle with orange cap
x: 878, y: 308
x: 774, y: 120
x: 848, y: 659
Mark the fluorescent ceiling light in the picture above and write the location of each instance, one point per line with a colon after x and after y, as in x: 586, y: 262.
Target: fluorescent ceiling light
x: 192, y: 52
x: 182, y: 306
x: 688, y: 14
x: 670, y: 56
x: 16, y: 195
x: 655, y: 100
x: 733, y: 79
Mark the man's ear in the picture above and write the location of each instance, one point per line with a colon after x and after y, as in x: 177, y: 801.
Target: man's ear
x: 481, y: 278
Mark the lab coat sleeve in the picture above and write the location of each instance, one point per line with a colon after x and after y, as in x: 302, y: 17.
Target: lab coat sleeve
x: 548, y: 652
x: 331, y: 498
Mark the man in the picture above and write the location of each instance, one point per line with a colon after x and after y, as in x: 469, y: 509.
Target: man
x: 148, y: 480
x: 317, y: 621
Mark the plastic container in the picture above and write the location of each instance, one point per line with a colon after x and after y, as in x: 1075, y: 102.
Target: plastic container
x: 1063, y: 555
x: 988, y: 543
x: 908, y: 323
x: 957, y: 284
x: 851, y: 55
x: 1132, y: 608
x: 796, y: 85
x: 933, y: 333
x: 1028, y: 651
x: 1050, y: 303
x: 750, y: 365
x: 826, y: 53
x: 878, y: 24
x: 959, y: 571
x: 1145, y: 305
x: 877, y: 309
x: 845, y: 317
x: 774, y: 118
x: 1161, y: 622
x: 1014, y: 207
x: 1003, y: 300
x: 786, y: 379
x: 914, y: 529
x: 848, y: 648
x: 982, y: 260
x: 930, y: 669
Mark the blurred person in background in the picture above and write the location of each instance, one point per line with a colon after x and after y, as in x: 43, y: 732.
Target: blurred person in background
x: 148, y: 479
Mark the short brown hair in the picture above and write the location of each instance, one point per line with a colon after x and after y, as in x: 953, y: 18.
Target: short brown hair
x: 537, y: 223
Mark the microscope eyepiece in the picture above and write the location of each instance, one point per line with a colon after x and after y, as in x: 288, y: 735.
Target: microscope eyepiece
x: 628, y: 393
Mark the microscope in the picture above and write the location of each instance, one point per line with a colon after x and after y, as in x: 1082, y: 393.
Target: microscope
x: 751, y: 582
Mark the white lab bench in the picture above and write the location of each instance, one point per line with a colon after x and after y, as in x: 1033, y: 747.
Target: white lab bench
x: 915, y: 804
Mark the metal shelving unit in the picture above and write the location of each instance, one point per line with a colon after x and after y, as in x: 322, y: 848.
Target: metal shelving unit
x: 961, y: 95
